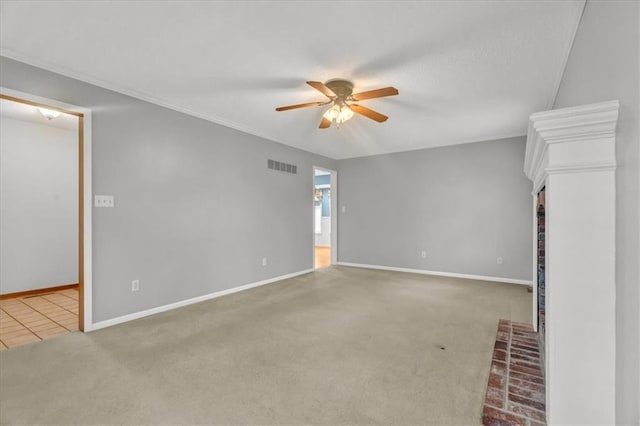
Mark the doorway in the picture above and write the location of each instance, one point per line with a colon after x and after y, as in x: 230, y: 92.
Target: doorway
x: 324, y: 215
x: 45, y: 193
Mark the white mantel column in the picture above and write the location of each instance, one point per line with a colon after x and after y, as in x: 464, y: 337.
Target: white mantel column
x: 571, y: 152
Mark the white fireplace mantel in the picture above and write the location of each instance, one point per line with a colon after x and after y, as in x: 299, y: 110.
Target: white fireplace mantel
x: 571, y: 152
x: 593, y: 126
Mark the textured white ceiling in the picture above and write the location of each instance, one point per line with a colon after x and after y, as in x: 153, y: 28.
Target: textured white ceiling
x: 466, y: 70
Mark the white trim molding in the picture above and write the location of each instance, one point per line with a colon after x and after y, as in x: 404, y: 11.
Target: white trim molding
x: 571, y: 153
x: 437, y: 273
x: 171, y: 306
x: 10, y: 54
x: 7, y: 53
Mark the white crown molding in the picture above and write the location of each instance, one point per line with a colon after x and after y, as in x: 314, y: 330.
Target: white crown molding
x: 553, y: 135
x: 132, y: 93
x: 581, y: 168
x: 217, y: 119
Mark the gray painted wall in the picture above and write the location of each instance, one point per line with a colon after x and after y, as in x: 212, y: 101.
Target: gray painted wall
x: 39, y: 204
x: 603, y: 65
x: 196, y: 208
x: 465, y: 205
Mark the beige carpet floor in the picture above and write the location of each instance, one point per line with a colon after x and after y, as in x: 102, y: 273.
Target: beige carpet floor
x: 336, y: 346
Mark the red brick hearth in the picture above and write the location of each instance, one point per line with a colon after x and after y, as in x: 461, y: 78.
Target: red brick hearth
x: 515, y: 392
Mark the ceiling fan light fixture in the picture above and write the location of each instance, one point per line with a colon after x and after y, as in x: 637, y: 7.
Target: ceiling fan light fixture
x: 332, y: 113
x: 338, y: 113
x: 345, y: 114
x: 49, y: 113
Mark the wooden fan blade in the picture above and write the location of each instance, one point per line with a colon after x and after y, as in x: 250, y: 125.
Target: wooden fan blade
x: 308, y: 104
x: 378, y: 93
x: 325, y: 124
x: 369, y: 113
x: 320, y: 87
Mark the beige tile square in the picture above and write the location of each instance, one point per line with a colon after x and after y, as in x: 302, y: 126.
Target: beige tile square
x: 70, y: 325
x: 62, y: 316
x: 21, y: 340
x: 49, y: 325
x: 16, y: 333
x: 26, y: 316
x: 7, y: 321
x: 10, y: 329
x: 18, y: 310
x: 38, y: 322
x: 51, y: 332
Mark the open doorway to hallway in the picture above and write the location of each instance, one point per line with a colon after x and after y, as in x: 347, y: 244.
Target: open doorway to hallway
x: 323, y: 190
x: 40, y: 258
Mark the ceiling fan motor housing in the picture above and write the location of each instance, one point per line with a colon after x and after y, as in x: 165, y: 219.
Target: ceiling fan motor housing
x: 342, y: 88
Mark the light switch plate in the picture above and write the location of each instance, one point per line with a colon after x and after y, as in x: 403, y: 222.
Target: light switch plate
x: 104, y: 201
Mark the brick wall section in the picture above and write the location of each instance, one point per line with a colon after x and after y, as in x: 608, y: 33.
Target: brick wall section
x: 515, y: 390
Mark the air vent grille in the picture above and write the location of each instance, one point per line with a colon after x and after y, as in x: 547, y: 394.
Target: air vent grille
x: 282, y: 167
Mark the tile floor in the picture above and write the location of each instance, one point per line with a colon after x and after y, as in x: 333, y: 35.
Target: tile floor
x: 322, y: 256
x: 33, y: 318
x: 515, y: 390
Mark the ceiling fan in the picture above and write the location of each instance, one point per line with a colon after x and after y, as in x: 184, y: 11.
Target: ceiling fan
x: 340, y: 92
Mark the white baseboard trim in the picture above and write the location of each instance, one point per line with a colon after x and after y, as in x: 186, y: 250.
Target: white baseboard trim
x: 152, y: 311
x: 441, y: 274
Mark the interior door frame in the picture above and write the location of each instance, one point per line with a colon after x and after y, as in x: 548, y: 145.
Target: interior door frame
x: 334, y: 214
x: 85, y: 284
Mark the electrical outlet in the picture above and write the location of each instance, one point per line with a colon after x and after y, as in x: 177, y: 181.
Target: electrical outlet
x: 264, y: 261
x: 499, y: 261
x: 344, y: 209
x: 104, y: 200
x: 135, y: 285
x: 424, y: 254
